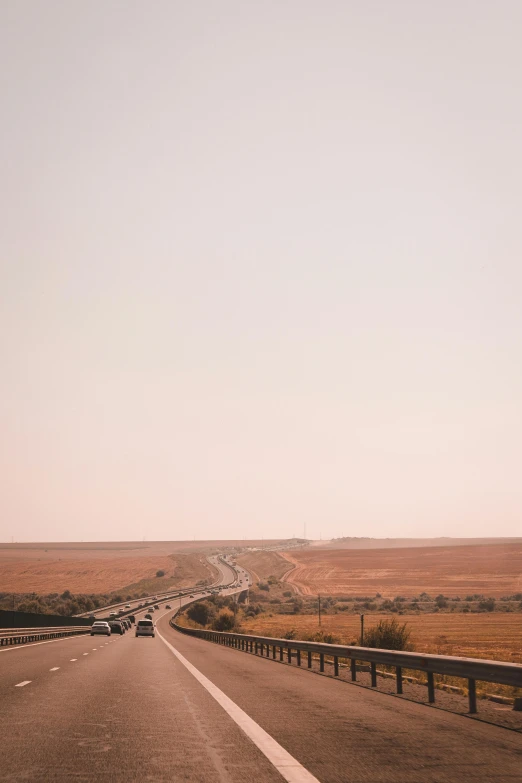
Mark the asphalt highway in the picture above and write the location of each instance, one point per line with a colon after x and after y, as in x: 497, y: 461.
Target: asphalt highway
x: 174, y: 708
x: 226, y: 575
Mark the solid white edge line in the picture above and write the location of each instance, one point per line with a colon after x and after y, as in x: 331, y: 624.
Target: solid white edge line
x: 287, y: 766
x: 21, y: 684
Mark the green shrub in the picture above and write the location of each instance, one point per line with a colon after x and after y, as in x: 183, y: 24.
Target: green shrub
x: 160, y: 573
x: 200, y: 612
x: 224, y: 621
x: 388, y: 635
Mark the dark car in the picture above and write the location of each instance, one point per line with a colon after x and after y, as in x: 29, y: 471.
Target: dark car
x: 168, y: 606
x: 116, y: 627
x: 148, y: 617
x: 126, y: 623
x: 156, y: 606
x: 132, y: 619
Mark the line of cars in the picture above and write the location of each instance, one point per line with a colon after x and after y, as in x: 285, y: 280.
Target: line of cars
x: 107, y: 627
x: 144, y: 627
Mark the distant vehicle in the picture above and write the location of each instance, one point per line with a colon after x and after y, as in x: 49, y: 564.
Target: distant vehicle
x: 168, y: 606
x: 116, y: 627
x: 127, y: 606
x: 156, y: 607
x: 101, y: 627
x: 112, y: 614
x: 191, y: 596
x: 145, y: 628
x: 120, y: 611
x: 147, y: 617
x: 126, y: 624
x: 132, y: 618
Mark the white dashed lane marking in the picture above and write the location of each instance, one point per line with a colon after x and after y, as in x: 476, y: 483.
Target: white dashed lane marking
x: 86, y: 653
x: 74, y: 659
x: 21, y: 684
x: 54, y: 669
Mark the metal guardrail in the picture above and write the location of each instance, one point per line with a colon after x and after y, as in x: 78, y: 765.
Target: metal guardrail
x: 23, y: 635
x: 470, y: 669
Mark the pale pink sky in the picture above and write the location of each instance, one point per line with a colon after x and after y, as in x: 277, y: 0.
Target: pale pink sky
x: 260, y: 267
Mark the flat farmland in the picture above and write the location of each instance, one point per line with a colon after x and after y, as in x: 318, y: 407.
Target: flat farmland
x: 489, y: 569
x: 95, y: 568
x: 495, y: 636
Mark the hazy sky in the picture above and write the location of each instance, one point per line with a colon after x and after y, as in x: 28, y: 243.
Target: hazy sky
x: 261, y: 266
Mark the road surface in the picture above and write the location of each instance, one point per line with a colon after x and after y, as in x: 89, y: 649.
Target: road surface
x: 124, y: 709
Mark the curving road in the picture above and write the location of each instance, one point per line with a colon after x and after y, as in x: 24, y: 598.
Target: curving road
x: 176, y: 708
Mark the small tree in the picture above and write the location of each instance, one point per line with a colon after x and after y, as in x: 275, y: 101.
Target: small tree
x: 388, y: 635
x: 160, y: 573
x: 224, y: 621
x: 200, y: 612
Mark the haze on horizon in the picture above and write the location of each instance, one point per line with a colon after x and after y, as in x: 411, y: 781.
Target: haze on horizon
x: 260, y: 268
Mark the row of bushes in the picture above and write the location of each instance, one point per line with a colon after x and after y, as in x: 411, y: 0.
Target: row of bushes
x: 398, y: 605
x: 65, y: 604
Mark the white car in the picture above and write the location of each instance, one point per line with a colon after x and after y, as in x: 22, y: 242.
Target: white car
x: 145, y: 628
x: 100, y: 627
x: 127, y: 606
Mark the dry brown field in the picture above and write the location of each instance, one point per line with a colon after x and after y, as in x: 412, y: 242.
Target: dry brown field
x: 495, y: 636
x: 101, y: 574
x: 493, y: 570
x: 101, y: 567
x: 111, y: 549
x: 264, y: 564
x: 360, y: 542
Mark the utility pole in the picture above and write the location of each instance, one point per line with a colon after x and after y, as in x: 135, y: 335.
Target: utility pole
x: 319, y: 609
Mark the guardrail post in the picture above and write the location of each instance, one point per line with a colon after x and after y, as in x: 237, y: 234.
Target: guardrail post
x: 299, y: 657
x: 262, y: 649
x: 336, y: 666
x: 431, y: 688
x: 472, y: 695
x: 280, y: 653
x: 373, y: 669
x: 309, y: 659
x: 255, y: 646
x: 398, y: 672
x: 353, y: 667
x: 289, y: 655
x: 321, y: 662
x: 268, y: 651
x: 273, y: 651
